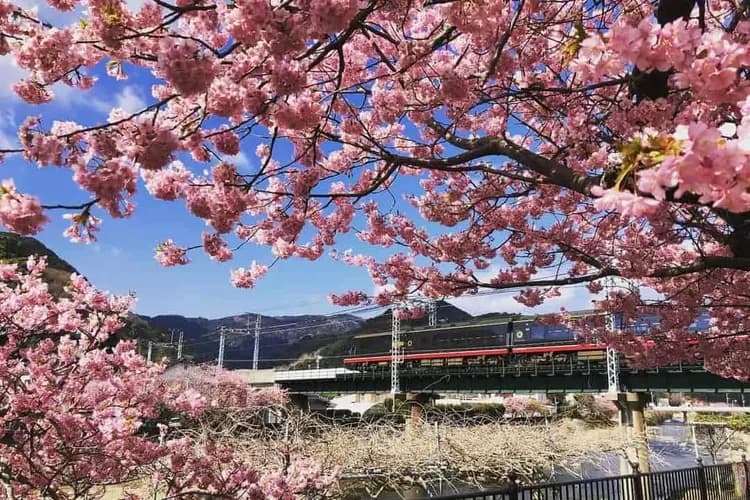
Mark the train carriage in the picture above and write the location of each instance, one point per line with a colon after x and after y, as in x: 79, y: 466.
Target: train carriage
x: 520, y: 340
x: 478, y: 343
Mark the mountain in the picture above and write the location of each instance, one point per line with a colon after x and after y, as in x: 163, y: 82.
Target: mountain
x: 446, y: 313
x: 287, y: 340
x: 15, y: 248
x: 282, y: 338
x: 334, y: 351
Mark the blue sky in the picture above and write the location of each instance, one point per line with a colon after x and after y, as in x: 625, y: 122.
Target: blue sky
x: 123, y: 258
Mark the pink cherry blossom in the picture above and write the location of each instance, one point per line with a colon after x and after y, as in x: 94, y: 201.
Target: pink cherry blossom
x: 20, y: 212
x: 351, y: 298
x: 169, y: 254
x: 246, y: 278
x: 189, y: 69
x: 82, y: 227
x: 168, y: 183
x: 216, y: 247
x: 545, y: 145
x: 78, y: 402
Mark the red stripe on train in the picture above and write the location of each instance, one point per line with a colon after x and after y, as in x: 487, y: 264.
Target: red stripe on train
x: 477, y: 353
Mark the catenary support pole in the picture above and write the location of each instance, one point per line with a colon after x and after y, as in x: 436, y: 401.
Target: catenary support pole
x: 432, y: 319
x: 179, y: 346
x: 256, y: 346
x: 396, y: 349
x: 220, y: 363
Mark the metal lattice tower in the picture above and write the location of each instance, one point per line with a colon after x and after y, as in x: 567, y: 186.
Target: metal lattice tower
x: 432, y: 318
x: 256, y: 347
x: 613, y: 370
x: 220, y: 363
x: 613, y: 360
x: 397, y: 349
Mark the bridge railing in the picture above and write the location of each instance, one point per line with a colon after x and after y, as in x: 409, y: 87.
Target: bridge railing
x: 712, y: 482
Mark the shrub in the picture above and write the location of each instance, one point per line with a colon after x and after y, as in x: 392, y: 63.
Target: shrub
x: 735, y: 422
x: 654, y: 418
x: 592, y: 410
x: 676, y: 400
x: 525, y: 407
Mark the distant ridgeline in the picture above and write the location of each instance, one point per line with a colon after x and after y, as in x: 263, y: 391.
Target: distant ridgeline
x: 16, y: 249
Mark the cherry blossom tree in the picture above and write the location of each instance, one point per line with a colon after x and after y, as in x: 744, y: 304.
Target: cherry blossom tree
x: 73, y: 412
x: 502, y: 144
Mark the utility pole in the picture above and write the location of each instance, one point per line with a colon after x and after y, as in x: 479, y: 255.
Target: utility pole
x: 179, y: 347
x: 256, y: 347
x: 220, y: 363
x: 150, y: 349
x: 397, y: 349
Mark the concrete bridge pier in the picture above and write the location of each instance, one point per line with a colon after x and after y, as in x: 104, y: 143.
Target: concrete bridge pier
x: 299, y: 402
x: 632, y: 407
x: 416, y: 402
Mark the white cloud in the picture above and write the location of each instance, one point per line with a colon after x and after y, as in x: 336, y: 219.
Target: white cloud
x: 135, y: 5
x: 49, y: 14
x: 129, y: 100
x: 71, y: 97
x: 7, y: 130
x: 572, y: 298
x: 11, y: 74
x: 6, y: 140
x: 240, y: 160
x: 65, y: 95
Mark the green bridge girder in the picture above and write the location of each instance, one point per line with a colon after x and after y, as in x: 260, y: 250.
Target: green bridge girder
x: 462, y: 380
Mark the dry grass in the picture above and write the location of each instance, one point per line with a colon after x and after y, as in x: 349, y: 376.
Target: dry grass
x: 384, y: 454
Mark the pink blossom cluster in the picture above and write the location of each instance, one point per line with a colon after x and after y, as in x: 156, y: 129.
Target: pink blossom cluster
x: 522, y: 406
x: 547, y: 144
x: 20, y: 212
x: 222, y: 389
x: 351, y: 298
x: 74, y: 402
x: 246, y: 278
x: 169, y: 254
x: 79, y: 396
x: 216, y: 247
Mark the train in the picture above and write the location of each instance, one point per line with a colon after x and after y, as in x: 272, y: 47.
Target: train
x: 491, y: 342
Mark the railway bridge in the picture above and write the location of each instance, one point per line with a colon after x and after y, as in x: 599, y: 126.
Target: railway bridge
x: 419, y: 384
x: 518, y: 355
x: 539, y: 377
